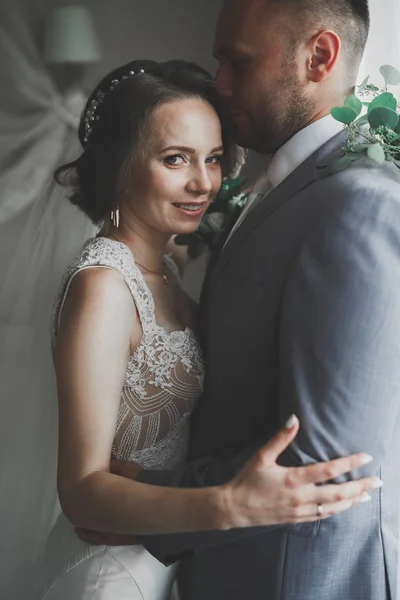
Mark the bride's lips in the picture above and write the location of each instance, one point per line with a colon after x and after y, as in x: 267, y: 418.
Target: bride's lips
x: 196, y: 210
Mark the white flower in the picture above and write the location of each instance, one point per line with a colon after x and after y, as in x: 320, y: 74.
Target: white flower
x: 238, y: 200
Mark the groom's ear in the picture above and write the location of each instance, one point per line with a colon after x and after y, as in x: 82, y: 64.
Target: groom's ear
x: 323, y: 54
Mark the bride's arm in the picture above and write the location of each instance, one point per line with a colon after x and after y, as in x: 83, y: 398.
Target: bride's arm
x: 99, y: 328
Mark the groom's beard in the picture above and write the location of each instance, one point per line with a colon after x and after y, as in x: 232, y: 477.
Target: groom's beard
x: 276, y: 118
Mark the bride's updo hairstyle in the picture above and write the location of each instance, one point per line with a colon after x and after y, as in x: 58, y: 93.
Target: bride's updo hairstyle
x: 113, y: 125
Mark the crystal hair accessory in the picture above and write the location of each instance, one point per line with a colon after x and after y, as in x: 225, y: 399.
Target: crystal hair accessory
x: 90, y: 114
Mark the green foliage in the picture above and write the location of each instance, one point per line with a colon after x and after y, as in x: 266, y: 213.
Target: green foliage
x: 353, y: 102
x: 363, y: 85
x: 376, y: 133
x: 383, y: 117
x: 344, y: 114
x: 390, y: 75
x: 229, y: 199
x: 377, y: 153
x: 385, y: 100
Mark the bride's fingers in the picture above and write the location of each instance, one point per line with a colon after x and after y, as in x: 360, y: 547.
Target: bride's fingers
x: 325, y: 494
x: 269, y: 453
x: 321, y: 472
x: 310, y: 512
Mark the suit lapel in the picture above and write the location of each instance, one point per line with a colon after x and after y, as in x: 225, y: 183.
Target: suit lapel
x: 302, y: 177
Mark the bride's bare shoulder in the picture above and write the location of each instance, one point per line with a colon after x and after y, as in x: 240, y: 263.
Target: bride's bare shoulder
x: 97, y: 294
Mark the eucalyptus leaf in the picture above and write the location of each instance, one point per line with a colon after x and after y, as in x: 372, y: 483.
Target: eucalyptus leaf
x: 363, y: 85
x: 205, y: 228
x: 229, y: 185
x: 377, y: 153
x: 386, y: 100
x: 361, y: 147
x: 340, y: 165
x: 362, y: 121
x: 356, y: 155
x: 184, y: 239
x: 390, y: 75
x: 383, y: 117
x: 344, y: 114
x: 376, y: 133
x: 353, y: 102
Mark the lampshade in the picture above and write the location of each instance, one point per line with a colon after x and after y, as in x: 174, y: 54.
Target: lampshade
x: 70, y: 36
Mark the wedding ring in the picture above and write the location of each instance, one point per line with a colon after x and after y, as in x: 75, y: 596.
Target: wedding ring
x: 320, y: 510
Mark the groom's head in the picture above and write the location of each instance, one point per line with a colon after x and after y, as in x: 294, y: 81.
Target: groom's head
x: 286, y: 63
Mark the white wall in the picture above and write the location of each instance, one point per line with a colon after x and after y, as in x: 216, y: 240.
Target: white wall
x: 383, y: 45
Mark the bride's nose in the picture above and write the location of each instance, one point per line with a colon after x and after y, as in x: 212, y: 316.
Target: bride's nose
x: 199, y: 181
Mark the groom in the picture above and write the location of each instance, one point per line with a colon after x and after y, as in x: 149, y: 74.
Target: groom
x: 300, y: 314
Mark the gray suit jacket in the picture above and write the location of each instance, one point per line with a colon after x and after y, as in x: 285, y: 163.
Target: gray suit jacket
x: 301, y: 314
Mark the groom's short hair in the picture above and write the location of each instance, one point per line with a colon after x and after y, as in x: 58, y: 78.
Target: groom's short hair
x: 350, y: 19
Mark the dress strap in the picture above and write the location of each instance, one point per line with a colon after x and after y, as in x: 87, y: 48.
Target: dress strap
x: 110, y: 254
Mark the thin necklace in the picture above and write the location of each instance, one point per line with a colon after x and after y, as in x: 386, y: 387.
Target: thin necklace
x: 162, y: 275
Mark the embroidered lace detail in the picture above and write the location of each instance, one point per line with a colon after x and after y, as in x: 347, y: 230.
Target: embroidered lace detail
x: 164, y: 376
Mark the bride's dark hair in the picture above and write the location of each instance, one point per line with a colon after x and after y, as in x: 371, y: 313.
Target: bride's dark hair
x: 114, y: 120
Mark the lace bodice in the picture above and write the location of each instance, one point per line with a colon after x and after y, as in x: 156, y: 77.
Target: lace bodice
x: 164, y: 376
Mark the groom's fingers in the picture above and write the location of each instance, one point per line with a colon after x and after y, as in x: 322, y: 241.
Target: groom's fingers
x: 321, y: 472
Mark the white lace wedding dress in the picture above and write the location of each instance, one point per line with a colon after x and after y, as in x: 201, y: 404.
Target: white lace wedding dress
x: 164, y: 378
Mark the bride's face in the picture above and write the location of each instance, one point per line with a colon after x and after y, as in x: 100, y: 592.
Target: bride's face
x: 180, y: 167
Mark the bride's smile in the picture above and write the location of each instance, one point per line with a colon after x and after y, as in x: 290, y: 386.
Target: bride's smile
x: 178, y: 171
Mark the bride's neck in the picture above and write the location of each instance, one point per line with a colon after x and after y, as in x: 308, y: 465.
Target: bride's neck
x: 148, y: 247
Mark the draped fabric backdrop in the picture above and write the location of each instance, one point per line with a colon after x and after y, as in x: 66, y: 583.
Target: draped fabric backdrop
x: 40, y: 233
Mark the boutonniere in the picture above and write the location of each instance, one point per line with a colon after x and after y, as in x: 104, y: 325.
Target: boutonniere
x: 220, y: 215
x: 372, y: 121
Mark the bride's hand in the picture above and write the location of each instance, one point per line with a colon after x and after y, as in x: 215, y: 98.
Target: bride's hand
x: 264, y: 493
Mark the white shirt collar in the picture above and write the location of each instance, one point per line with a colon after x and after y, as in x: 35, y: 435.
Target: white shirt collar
x: 296, y: 150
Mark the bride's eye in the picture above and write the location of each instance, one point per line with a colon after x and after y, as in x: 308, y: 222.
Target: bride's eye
x: 174, y: 160
x: 214, y: 160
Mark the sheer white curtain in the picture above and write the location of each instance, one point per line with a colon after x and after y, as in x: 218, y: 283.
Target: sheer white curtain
x: 39, y: 235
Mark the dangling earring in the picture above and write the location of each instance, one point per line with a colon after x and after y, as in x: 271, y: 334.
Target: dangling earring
x: 114, y: 217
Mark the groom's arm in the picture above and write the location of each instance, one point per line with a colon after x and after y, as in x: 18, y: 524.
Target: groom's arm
x: 203, y: 472
x: 340, y: 333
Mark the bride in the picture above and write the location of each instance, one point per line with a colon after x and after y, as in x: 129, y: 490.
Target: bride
x: 129, y: 368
